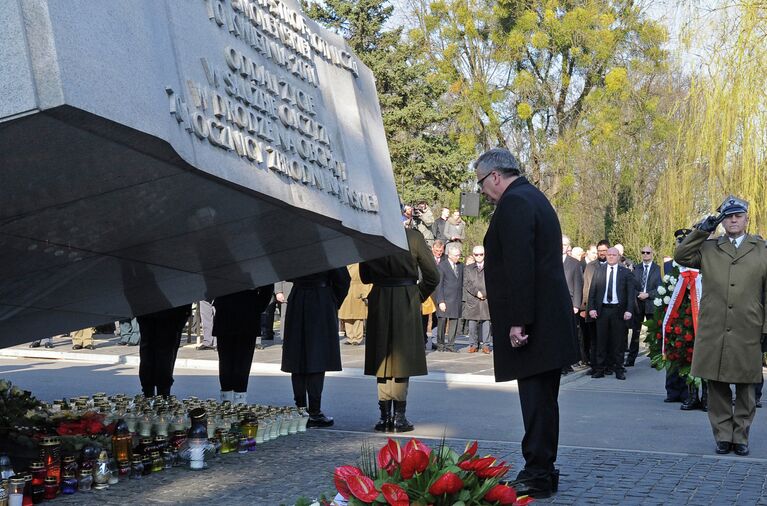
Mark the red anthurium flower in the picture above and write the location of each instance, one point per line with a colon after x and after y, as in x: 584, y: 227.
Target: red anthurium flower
x: 389, y: 456
x: 448, y: 483
x: 362, y: 488
x: 340, y: 476
x: 502, y: 494
x: 492, y: 472
x: 394, y: 495
x: 477, y: 464
x: 522, y: 501
x: 415, y: 461
x: 471, y: 449
x: 415, y: 444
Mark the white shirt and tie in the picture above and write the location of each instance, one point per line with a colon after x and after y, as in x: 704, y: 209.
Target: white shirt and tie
x: 737, y: 241
x: 645, y: 275
x: 612, y: 273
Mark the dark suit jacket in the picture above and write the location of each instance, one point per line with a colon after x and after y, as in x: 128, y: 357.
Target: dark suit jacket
x: 526, y: 285
x: 449, y: 290
x: 574, y: 278
x: 653, y: 282
x: 624, y: 287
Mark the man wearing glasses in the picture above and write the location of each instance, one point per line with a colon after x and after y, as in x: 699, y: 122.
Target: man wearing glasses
x: 530, y: 310
x: 647, y: 279
x: 475, y: 308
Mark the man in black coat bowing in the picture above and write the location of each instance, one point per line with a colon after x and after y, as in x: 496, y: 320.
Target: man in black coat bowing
x: 530, y: 310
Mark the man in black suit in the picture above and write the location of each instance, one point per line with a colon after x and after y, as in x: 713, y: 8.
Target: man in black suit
x: 448, y: 297
x: 530, y: 310
x: 574, y: 279
x: 611, y: 299
x: 588, y: 326
x: 647, y: 279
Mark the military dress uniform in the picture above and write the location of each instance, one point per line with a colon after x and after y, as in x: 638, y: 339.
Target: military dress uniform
x: 731, y: 324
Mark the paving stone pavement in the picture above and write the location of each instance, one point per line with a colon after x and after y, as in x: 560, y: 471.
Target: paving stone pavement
x: 280, y: 471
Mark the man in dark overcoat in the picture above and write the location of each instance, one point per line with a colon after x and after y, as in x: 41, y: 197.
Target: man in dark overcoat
x: 530, y: 309
x: 449, y: 298
x: 394, y: 351
x: 310, y: 344
x: 574, y: 279
x: 475, y: 308
x: 647, y: 279
x: 589, y: 326
x: 611, y: 305
x: 732, y: 322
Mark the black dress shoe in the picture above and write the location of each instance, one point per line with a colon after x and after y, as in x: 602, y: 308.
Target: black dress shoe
x: 740, y: 449
x: 690, y: 404
x: 533, y: 491
x: 598, y: 374
x: 34, y: 344
x: 49, y: 345
x: 724, y: 447
x: 670, y: 399
x: 77, y: 347
x: 320, y: 420
x: 620, y: 375
x: 89, y: 347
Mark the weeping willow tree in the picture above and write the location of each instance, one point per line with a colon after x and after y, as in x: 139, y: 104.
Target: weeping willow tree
x: 721, y: 143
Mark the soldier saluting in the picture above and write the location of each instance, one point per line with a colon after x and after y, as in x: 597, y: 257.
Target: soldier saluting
x: 732, y: 320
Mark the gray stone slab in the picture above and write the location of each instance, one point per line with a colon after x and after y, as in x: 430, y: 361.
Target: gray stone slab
x: 158, y: 152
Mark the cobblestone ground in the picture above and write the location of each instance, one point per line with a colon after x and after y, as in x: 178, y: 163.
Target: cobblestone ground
x: 280, y: 471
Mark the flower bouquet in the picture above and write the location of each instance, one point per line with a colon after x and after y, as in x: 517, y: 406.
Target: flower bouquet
x: 416, y: 475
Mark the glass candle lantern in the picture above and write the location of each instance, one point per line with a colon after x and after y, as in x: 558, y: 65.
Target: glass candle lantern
x: 145, y: 424
x: 50, y: 455
x: 68, y: 483
x: 85, y: 482
x: 38, y: 494
x: 122, y: 442
x: 137, y: 469
x: 158, y: 464
x: 38, y: 473
x: 16, y: 492
x: 304, y: 419
x: 123, y: 469
x: 69, y: 465
x: 168, y: 459
x: 27, y: 489
x: 101, y: 472
x: 147, y: 461
x: 51, y: 488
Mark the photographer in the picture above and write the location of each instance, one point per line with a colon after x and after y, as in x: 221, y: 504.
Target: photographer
x: 422, y: 220
x: 732, y: 320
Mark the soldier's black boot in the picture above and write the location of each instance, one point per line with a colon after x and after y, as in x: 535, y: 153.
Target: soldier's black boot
x: 385, y: 423
x: 692, y: 401
x: 400, y: 422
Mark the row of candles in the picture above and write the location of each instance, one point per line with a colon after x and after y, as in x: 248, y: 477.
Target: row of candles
x: 150, y: 435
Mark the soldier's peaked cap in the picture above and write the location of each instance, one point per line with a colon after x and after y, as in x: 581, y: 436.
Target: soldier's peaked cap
x: 733, y: 205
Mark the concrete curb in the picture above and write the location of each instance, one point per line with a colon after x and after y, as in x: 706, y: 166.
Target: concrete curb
x: 257, y: 367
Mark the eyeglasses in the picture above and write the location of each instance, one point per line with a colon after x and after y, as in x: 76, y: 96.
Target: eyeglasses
x: 647, y: 252
x: 479, y: 183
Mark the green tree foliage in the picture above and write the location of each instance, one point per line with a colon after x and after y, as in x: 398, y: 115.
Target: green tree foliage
x: 426, y: 160
x: 576, y: 88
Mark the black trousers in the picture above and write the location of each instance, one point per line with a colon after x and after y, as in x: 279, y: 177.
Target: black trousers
x: 639, y: 319
x: 425, y: 326
x: 589, y: 330
x: 538, y: 396
x: 611, y: 339
x: 235, y: 356
x: 160, y: 339
x: 676, y: 387
x: 308, y: 385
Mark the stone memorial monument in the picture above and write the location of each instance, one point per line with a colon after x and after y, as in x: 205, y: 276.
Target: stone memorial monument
x: 158, y: 152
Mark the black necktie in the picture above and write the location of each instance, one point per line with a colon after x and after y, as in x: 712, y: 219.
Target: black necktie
x: 735, y: 243
x: 644, y: 278
x: 610, y: 282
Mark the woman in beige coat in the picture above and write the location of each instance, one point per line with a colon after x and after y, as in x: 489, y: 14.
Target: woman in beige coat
x: 354, y: 310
